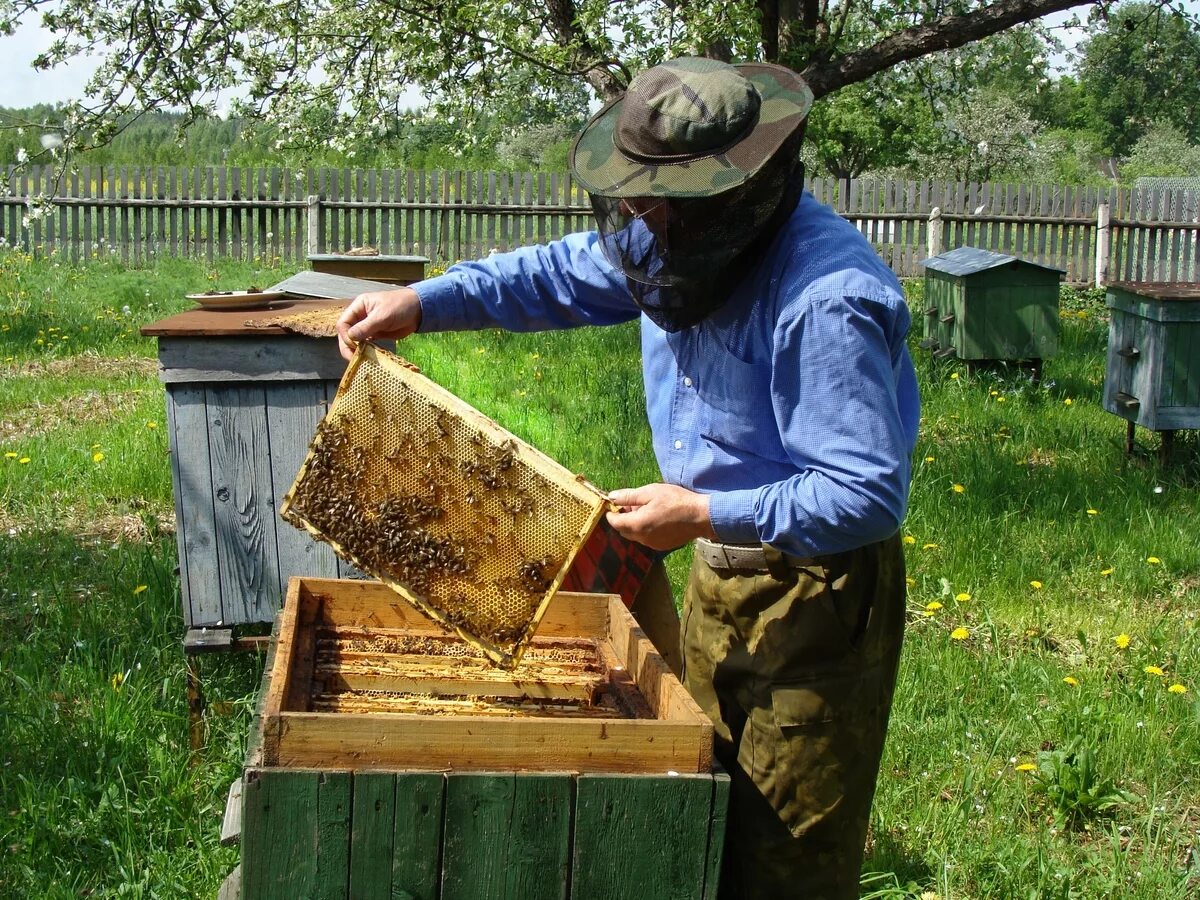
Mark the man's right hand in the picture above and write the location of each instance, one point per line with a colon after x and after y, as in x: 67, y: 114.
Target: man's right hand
x: 381, y: 315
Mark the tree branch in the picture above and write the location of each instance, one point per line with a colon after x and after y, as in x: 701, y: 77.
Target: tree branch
x: 945, y: 33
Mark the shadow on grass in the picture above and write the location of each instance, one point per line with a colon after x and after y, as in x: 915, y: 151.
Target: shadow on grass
x: 890, y: 870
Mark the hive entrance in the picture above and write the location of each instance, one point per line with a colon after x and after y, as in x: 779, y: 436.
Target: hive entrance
x: 467, y: 522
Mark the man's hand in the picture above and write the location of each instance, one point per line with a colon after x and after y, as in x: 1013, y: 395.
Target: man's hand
x: 381, y: 315
x: 661, y: 516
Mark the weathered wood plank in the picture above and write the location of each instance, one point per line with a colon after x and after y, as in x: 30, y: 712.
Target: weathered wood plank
x: 195, y: 522
x: 328, y: 286
x: 715, y: 851
x: 641, y: 837
x: 417, y: 840
x: 293, y: 413
x: 372, y: 831
x: 278, y: 803
x: 231, y: 824
x: 243, y: 511
x: 217, y: 359
x: 231, y: 887
x: 506, y: 837
x: 334, y: 806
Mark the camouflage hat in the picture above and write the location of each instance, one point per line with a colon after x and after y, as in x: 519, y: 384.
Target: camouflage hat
x: 690, y: 127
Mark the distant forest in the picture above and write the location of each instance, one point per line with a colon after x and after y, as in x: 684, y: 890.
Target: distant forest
x: 412, y: 141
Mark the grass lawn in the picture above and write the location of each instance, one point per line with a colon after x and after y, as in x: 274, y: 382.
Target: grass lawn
x: 1046, y: 736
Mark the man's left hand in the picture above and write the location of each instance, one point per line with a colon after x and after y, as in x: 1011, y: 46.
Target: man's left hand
x: 661, y: 516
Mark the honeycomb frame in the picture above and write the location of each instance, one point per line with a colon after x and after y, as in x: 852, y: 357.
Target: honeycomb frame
x: 458, y: 516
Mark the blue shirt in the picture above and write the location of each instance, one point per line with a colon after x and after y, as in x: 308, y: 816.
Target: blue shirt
x: 794, y: 406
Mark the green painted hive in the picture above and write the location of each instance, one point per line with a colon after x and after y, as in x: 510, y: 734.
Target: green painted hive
x: 981, y: 305
x: 387, y: 761
x: 1152, y: 374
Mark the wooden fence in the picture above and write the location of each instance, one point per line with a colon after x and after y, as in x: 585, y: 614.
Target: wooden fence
x: 1093, y: 234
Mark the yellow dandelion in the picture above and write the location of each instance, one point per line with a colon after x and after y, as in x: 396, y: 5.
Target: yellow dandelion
x: 139, y: 589
x: 151, y: 425
x: 909, y: 539
x: 1154, y: 670
x: 1093, y: 512
x: 995, y: 394
x: 1001, y: 399
x: 1069, y: 680
x: 962, y: 597
x: 23, y: 460
x: 959, y: 634
x: 1104, y: 573
x: 933, y: 606
x: 10, y: 455
x: 1153, y: 560
x: 1177, y: 689
x: 954, y: 376
x: 1122, y: 640
x: 97, y: 456
x: 1026, y: 767
x: 1036, y: 585
x: 910, y: 581
x: 1068, y: 402
x: 958, y: 489
x: 929, y: 546
x: 118, y: 679
x: 929, y: 459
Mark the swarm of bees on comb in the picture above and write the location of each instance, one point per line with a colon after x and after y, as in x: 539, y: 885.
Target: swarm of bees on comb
x: 460, y: 517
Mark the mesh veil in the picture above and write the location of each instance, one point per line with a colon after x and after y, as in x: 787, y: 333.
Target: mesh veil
x: 682, y: 257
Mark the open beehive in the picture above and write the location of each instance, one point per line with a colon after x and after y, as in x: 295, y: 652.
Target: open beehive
x: 468, y: 523
x: 361, y: 680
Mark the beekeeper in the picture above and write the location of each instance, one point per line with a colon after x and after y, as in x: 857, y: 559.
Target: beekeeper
x: 783, y: 407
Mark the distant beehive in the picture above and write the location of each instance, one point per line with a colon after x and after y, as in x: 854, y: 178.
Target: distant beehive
x: 981, y: 305
x: 1152, y: 377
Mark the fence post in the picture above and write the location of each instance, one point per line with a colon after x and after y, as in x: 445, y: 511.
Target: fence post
x: 934, y: 233
x: 1103, y: 243
x: 316, y: 230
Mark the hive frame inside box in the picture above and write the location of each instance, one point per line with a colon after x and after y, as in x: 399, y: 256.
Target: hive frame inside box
x: 677, y: 739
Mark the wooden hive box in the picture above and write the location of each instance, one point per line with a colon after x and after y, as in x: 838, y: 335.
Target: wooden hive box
x: 388, y: 759
x: 981, y: 305
x: 240, y: 403
x: 378, y: 267
x: 1152, y: 373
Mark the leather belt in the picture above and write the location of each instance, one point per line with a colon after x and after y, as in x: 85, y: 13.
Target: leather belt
x: 752, y: 557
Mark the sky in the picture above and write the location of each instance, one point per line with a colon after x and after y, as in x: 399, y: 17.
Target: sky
x: 21, y: 86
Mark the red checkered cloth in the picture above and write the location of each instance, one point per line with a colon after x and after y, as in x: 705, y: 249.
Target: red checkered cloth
x: 610, y: 564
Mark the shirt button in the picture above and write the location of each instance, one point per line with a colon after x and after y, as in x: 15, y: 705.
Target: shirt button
x: 687, y: 382
x: 679, y: 445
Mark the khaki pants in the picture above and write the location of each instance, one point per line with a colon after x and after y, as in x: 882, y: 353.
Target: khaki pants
x: 797, y: 668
